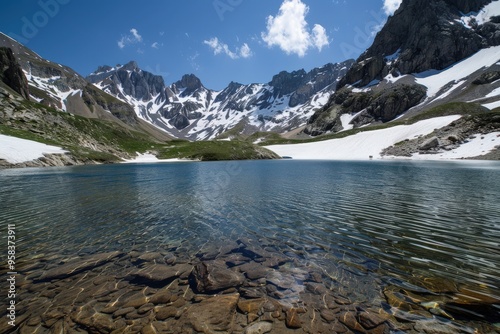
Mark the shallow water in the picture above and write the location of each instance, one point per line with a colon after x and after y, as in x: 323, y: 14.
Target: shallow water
x: 367, y: 228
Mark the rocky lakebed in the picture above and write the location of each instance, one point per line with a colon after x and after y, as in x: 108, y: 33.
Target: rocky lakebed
x: 237, y: 286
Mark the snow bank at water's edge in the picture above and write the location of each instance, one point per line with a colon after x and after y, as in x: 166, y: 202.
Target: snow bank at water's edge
x: 369, y: 144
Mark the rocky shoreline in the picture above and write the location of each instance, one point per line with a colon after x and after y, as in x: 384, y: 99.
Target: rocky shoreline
x: 451, y: 137
x: 49, y: 160
x: 236, y: 287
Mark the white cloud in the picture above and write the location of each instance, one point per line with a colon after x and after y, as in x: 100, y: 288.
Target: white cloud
x: 245, y: 51
x: 390, y: 6
x: 155, y: 45
x: 320, y: 39
x: 136, y: 35
x: 219, y: 47
x: 289, y: 30
x: 129, y: 39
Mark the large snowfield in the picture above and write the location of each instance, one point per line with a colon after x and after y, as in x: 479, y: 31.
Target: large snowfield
x: 16, y: 150
x: 361, y: 146
x: 368, y: 144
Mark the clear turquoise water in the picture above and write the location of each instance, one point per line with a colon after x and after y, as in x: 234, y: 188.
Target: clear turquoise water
x: 365, y: 224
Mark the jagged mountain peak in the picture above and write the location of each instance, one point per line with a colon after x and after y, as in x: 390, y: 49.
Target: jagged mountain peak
x: 129, y: 81
x: 190, y: 82
x: 187, y: 109
x: 130, y: 66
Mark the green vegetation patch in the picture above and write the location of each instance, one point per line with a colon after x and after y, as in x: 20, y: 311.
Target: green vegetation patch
x: 214, y: 150
x: 453, y: 108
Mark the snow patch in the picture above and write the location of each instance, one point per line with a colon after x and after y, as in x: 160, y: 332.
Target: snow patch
x: 435, y: 80
x: 481, y: 17
x: 492, y: 105
x: 16, y: 150
x: 363, y: 145
x: 391, y: 58
x: 493, y: 93
x: 149, y: 158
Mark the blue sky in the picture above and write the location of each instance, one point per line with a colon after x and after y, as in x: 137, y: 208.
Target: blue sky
x: 218, y: 40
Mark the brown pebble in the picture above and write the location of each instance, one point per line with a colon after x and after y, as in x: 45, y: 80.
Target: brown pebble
x: 145, y: 308
x: 110, y: 309
x: 161, y: 297
x: 34, y: 321
x: 119, y: 324
x: 136, y: 315
x: 251, y: 305
x: 370, y: 320
x: 122, y: 311
x: 251, y: 317
x: 349, y: 319
x: 292, y: 319
x: 328, y: 315
x: 166, y: 312
x: 148, y: 329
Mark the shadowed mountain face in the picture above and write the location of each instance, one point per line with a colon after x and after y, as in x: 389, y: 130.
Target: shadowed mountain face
x: 424, y: 35
x: 11, y: 73
x: 428, y: 53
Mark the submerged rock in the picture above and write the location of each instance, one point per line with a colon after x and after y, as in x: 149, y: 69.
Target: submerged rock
x: 213, y: 315
x: 73, y: 268
x: 212, y: 277
x: 161, y: 272
x: 259, y: 328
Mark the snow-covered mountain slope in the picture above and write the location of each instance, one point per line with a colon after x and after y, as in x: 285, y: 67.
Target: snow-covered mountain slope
x: 409, y: 79
x: 61, y: 88
x: 187, y: 109
x: 371, y: 144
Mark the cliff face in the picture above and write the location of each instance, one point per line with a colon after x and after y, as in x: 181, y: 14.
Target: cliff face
x: 11, y: 73
x: 421, y: 36
x: 424, y: 35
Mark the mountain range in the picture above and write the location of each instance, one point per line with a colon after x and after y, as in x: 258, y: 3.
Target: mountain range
x: 427, y: 54
x: 187, y: 109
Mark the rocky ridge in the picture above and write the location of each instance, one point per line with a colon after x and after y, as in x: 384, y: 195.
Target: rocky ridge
x: 187, y: 109
x: 59, y: 87
x: 421, y: 36
x: 414, y: 65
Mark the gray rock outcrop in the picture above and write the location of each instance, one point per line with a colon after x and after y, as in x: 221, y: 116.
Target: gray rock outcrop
x: 12, y: 74
x: 369, y: 106
x: 425, y: 35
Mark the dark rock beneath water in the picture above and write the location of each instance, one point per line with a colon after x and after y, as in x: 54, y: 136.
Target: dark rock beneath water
x: 75, y: 267
x: 161, y: 297
x: 213, y: 315
x: 253, y: 270
x: 370, y: 320
x: 162, y: 273
x: 349, y: 319
x: 166, y: 313
x: 211, y: 277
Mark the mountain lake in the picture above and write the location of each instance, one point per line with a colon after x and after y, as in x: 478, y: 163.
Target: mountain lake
x: 254, y: 247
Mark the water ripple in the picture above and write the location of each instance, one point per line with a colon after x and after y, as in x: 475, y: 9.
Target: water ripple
x: 395, y: 221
